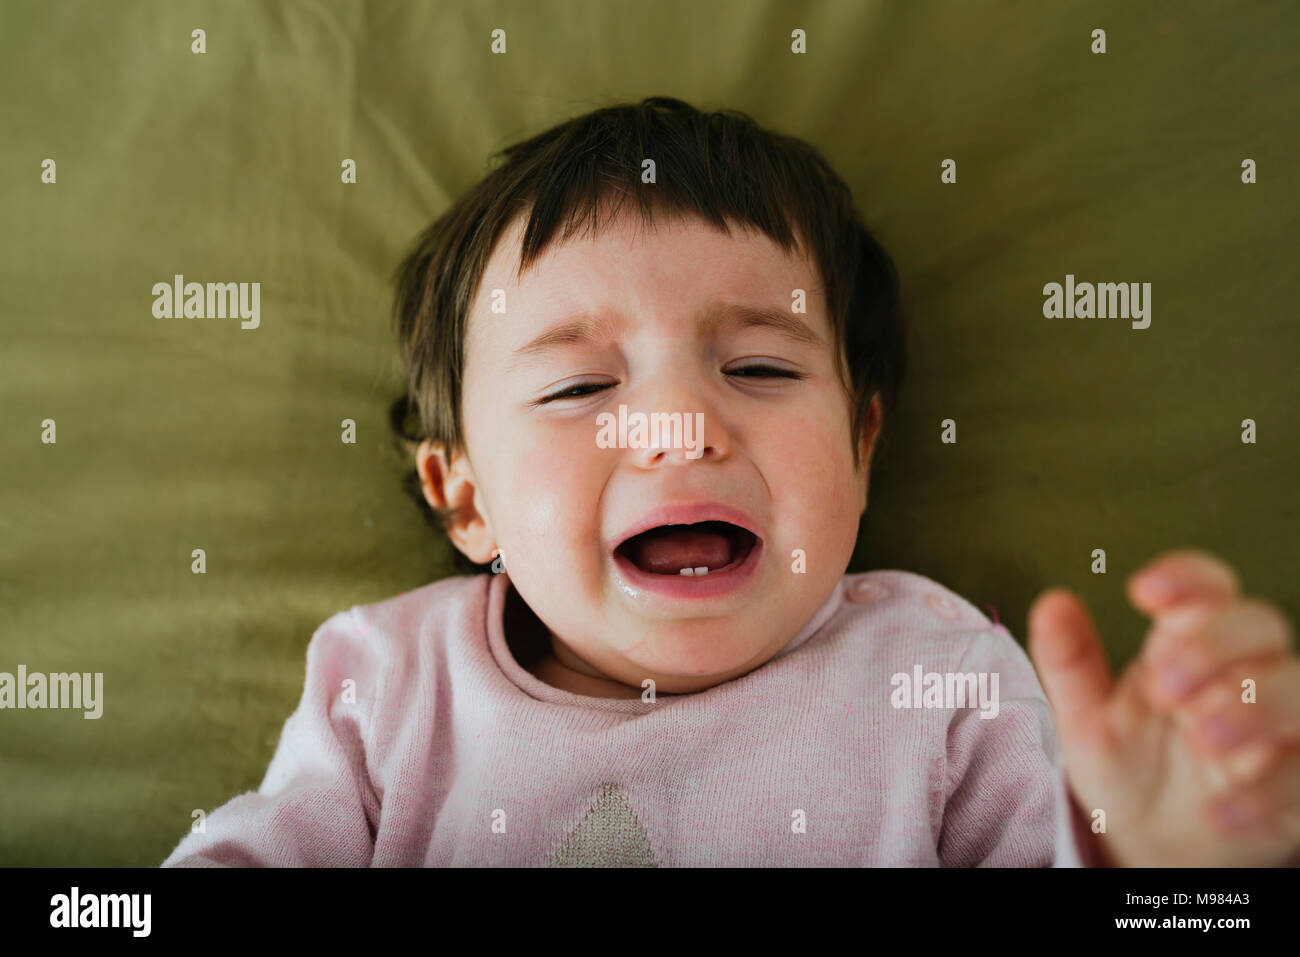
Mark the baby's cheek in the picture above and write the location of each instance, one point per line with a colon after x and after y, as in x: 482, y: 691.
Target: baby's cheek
x: 550, y: 512
x: 815, y: 489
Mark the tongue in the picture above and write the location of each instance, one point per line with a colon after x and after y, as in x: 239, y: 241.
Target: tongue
x: 666, y: 551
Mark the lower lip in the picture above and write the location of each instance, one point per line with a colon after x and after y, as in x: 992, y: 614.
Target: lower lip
x: 715, y: 584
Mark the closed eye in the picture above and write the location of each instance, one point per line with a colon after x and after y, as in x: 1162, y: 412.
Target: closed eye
x: 574, y: 392
x: 765, y: 372
x: 744, y: 372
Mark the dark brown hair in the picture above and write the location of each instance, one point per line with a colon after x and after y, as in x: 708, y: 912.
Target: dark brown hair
x: 714, y: 166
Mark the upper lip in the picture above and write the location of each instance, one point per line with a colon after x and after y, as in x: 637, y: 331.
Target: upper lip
x: 688, y: 514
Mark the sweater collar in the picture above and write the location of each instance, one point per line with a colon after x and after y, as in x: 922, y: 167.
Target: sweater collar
x: 498, y: 586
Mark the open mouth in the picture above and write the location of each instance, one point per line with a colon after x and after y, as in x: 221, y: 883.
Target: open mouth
x: 694, y: 550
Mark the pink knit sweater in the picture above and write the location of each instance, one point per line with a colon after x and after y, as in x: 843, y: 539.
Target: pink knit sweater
x: 420, y: 740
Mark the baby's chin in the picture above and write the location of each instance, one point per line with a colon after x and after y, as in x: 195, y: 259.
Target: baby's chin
x: 717, y: 649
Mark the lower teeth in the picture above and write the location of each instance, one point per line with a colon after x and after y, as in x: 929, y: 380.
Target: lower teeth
x: 701, y: 570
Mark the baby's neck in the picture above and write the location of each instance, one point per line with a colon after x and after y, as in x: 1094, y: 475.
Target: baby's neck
x: 538, y: 653
x: 552, y: 671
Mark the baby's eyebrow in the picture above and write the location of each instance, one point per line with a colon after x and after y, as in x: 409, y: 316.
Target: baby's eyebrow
x: 586, y: 329
x: 578, y: 331
x: 722, y: 314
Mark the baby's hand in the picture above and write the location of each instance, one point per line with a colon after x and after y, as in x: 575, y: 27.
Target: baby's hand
x: 1193, y: 753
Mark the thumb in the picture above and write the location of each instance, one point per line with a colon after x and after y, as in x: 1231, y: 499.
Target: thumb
x: 1071, y: 662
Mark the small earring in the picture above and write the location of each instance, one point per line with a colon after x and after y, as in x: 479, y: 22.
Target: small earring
x: 498, y: 561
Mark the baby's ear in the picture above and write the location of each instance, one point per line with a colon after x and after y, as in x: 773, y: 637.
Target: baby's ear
x: 866, y: 446
x: 870, y: 432
x: 451, y: 490
x: 432, y: 465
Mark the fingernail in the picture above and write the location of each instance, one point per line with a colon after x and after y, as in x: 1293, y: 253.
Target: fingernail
x: 1223, y: 732
x: 1161, y: 584
x: 1175, y: 680
x: 1234, y: 814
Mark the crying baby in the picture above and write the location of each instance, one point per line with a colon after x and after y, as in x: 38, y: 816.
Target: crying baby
x: 668, y: 664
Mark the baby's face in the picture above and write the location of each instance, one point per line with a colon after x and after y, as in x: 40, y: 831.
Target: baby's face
x: 654, y: 319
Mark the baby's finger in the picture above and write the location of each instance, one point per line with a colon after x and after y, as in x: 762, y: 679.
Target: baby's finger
x: 1180, y: 576
x: 1247, y: 704
x: 1187, y: 649
x: 1071, y: 663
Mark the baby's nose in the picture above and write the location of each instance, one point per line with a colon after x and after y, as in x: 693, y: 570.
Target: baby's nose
x: 677, y: 439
